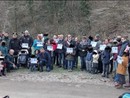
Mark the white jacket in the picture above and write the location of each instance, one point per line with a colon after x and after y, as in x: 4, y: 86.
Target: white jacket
x: 95, y: 58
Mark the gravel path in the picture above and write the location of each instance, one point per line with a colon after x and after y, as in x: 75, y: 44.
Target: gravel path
x: 54, y: 76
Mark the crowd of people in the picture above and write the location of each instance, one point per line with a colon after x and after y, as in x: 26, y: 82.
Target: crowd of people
x: 108, y: 56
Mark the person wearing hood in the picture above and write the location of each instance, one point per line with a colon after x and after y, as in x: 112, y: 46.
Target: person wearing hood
x: 3, y: 48
x: 28, y: 40
x: 106, y: 61
x: 95, y: 62
x: 6, y: 39
x: 15, y: 45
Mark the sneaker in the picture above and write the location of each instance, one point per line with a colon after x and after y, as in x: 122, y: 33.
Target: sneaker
x: 103, y: 75
x: 127, y: 85
x: 119, y: 86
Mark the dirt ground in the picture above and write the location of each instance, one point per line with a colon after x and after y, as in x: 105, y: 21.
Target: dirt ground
x: 23, y: 84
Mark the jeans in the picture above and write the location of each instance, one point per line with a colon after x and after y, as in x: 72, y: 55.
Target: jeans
x: 70, y: 64
x: 61, y: 59
x: 105, y: 69
x: 42, y: 64
x: 88, y: 66
x: 95, y: 68
x: 32, y: 67
x: 83, y: 63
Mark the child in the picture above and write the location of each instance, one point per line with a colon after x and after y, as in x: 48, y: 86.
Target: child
x: 106, y: 61
x: 121, y: 71
x: 95, y: 62
x: 89, y: 58
x: 70, y: 58
x: 2, y: 65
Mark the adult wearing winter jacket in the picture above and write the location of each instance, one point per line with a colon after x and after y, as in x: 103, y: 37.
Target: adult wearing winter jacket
x: 82, y: 48
x: 27, y: 39
x: 44, y: 60
x: 60, y: 51
x: 125, y: 42
x: 15, y: 45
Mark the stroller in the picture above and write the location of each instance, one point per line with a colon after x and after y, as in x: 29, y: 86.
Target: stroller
x: 23, y: 58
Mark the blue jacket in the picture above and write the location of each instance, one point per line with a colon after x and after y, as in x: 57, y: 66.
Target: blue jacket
x: 45, y: 57
x: 89, y: 56
x: 106, y: 57
x: 35, y: 42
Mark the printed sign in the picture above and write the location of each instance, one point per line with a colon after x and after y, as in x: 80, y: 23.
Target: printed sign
x: 39, y: 44
x: 34, y: 60
x: 59, y: 46
x: 93, y: 43
x: 69, y: 50
x: 114, y: 49
x: 119, y: 59
x: 102, y: 47
x: 49, y: 48
x: 25, y: 45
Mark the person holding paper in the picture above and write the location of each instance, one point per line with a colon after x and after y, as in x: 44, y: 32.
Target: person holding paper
x: 28, y: 40
x: 68, y: 43
x: 37, y: 43
x: 70, y: 56
x: 121, y: 71
x: 60, y: 51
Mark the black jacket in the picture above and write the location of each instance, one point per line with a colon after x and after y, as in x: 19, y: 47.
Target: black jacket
x: 26, y: 39
x: 14, y: 44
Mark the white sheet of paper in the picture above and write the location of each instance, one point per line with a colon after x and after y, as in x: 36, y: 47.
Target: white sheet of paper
x: 59, y: 46
x: 33, y: 60
x: 93, y: 43
x: 111, y: 58
x: 25, y: 45
x: 114, y: 49
x: 102, y: 47
x: 50, y: 48
x: 39, y: 44
x: 119, y: 59
x: 69, y: 50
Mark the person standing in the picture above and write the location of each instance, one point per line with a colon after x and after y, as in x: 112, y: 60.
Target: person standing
x: 82, y: 48
x: 28, y: 40
x: 106, y: 61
